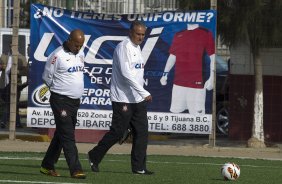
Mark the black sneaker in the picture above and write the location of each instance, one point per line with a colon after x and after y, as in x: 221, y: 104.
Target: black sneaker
x: 143, y: 172
x: 125, y: 135
x: 94, y: 167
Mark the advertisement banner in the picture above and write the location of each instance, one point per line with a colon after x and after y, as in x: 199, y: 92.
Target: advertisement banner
x: 179, y: 52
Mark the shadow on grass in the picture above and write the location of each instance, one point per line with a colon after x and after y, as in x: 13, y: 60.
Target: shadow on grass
x: 21, y: 165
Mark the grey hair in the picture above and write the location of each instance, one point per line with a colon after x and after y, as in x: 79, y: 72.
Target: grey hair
x: 136, y: 23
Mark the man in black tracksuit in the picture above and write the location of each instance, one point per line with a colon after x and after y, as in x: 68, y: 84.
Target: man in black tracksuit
x: 63, y: 74
x: 129, y: 102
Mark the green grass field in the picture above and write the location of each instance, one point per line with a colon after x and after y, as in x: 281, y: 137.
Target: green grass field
x: 115, y: 169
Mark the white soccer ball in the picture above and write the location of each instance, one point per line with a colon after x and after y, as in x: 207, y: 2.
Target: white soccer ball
x: 230, y: 171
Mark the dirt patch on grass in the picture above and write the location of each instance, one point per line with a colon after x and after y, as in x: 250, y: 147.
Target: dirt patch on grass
x: 273, y: 153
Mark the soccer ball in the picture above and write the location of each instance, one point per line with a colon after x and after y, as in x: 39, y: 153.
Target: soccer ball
x: 230, y: 171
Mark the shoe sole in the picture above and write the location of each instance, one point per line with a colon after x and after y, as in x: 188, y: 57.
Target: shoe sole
x: 142, y: 173
x: 80, y: 176
x: 47, y: 173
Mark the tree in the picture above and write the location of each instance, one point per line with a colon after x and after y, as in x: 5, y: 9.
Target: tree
x: 25, y: 11
x: 194, y: 4
x: 13, y: 97
x: 258, y: 23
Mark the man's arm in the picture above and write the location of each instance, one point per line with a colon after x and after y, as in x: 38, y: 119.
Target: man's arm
x: 49, y: 69
x: 22, y: 66
x: 127, y: 74
x: 3, y: 62
x: 169, y: 64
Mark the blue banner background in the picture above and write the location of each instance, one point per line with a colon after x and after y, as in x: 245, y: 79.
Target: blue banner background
x: 59, y: 22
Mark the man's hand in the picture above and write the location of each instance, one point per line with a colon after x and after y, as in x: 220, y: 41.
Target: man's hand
x: 148, y: 98
x: 163, y: 80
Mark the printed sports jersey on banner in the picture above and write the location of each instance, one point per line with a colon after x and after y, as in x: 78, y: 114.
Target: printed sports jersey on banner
x: 190, y: 47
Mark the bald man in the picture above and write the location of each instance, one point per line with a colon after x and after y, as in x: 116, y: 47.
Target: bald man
x: 63, y: 74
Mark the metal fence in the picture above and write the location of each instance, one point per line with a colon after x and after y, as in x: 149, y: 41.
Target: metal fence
x: 116, y: 6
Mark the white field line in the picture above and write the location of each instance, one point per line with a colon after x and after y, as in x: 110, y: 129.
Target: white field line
x: 37, y: 182
x: 152, y: 162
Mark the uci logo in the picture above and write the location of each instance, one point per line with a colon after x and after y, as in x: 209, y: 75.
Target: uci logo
x: 92, y: 56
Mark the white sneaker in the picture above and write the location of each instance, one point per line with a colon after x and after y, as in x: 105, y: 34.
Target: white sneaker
x: 143, y: 172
